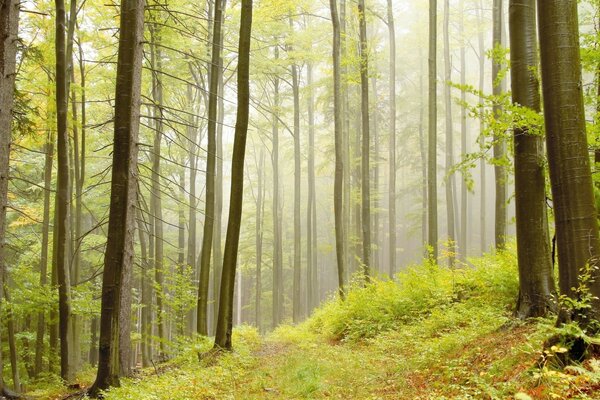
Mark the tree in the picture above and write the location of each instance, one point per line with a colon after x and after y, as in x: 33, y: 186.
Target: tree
x: 366, y: 142
x: 536, y: 281
x: 225, y: 317
x: 450, y: 184
x: 209, y: 211
x: 432, y: 135
x: 499, y: 142
x: 339, y: 168
x: 118, y: 259
x: 566, y: 140
x: 9, y: 27
x: 392, y: 144
x: 63, y: 193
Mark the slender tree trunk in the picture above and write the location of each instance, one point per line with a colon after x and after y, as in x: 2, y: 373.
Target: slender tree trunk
x: 119, y: 248
x: 464, y: 193
x: 146, y: 295
x: 449, y: 137
x: 536, y: 280
x: 259, y: 240
x: 297, y: 297
x: 41, y: 320
x: 277, y: 230
x: 209, y: 212
x: 224, y: 322
x: 192, y: 134
x: 568, y: 157
x: 366, y: 142
x: 63, y: 196
x: 392, y: 145
x: 311, y: 214
x: 499, y: 142
x: 349, y: 258
x: 432, y: 136
x: 339, y: 151
x: 156, y: 201
x: 482, y: 163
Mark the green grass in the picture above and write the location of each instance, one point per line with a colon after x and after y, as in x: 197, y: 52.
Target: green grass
x: 432, y: 333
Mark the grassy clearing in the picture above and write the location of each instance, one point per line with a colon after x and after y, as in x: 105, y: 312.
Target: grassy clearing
x: 436, y: 334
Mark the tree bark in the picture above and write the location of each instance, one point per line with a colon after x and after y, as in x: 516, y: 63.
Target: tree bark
x: 311, y: 213
x: 499, y: 142
x: 119, y: 248
x: 209, y: 212
x: 482, y: 163
x: 366, y: 143
x: 392, y: 146
x: 464, y: 194
x: 224, y: 321
x: 568, y: 158
x: 63, y: 195
x: 259, y: 241
x: 536, y: 280
x: 339, y: 151
x: 432, y: 133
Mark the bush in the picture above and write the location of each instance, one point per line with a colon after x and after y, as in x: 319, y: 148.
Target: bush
x: 384, y: 305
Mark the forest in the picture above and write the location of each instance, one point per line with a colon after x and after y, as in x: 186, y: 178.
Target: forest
x: 276, y: 199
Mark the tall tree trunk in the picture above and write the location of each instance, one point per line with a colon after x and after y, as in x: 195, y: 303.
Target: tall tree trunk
x: 119, y: 248
x: 375, y: 189
x: 536, y: 280
x: 339, y: 151
x: 9, y: 27
x: 224, y: 322
x: 146, y: 295
x: 366, y: 142
x: 566, y: 141
x: 392, y: 144
x: 464, y: 193
x: 41, y: 320
x: 209, y: 211
x: 277, y: 230
x: 259, y: 240
x: 499, y: 142
x: 449, y: 137
x: 432, y: 135
x: 156, y: 201
x: 297, y: 297
x: 63, y: 195
x: 311, y: 213
x: 482, y: 163
x: 192, y: 134
x: 349, y: 259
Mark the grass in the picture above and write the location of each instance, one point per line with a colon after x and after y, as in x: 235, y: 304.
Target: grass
x: 433, y: 333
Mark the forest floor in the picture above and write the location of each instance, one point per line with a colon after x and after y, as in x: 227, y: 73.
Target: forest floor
x: 469, y: 348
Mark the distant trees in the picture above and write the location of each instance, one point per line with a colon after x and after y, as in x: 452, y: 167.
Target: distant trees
x: 536, y: 289
x: 432, y: 133
x: 118, y: 260
x: 568, y: 156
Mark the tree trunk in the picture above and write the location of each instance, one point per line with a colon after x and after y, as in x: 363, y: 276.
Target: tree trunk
x: 259, y: 241
x: 566, y: 141
x: 63, y: 195
x: 449, y: 138
x: 536, y: 280
x: 349, y: 258
x: 119, y: 248
x: 311, y: 213
x: 297, y: 298
x: 464, y: 216
x: 41, y: 320
x: 339, y: 151
x: 224, y: 322
x: 209, y: 211
x: 277, y: 229
x: 499, y: 142
x: 432, y: 135
x: 146, y: 295
x: 392, y: 144
x: 9, y: 26
x: 156, y: 201
x: 482, y: 163
x: 366, y: 142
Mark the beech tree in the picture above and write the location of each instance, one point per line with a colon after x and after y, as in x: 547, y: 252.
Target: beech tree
x: 118, y: 260
x: 536, y: 281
